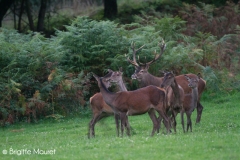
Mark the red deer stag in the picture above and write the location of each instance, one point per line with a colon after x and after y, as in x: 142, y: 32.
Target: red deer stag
x: 136, y: 102
x: 145, y: 78
x: 98, y: 106
x: 175, y: 97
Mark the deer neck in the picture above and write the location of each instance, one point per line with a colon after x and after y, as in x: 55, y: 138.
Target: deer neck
x: 175, y: 89
x: 121, y: 86
x: 107, y: 95
x: 149, y: 79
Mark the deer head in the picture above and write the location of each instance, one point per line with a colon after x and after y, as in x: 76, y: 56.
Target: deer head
x: 193, y: 82
x: 141, y: 69
x: 116, y: 76
x: 168, y: 79
x: 106, y: 79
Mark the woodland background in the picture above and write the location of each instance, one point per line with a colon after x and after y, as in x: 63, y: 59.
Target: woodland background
x: 49, y: 48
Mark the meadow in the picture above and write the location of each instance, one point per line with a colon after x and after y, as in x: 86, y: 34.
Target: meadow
x: 217, y: 137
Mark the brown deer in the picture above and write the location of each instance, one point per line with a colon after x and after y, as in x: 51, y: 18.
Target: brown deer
x: 145, y: 78
x: 175, y: 97
x: 135, y: 102
x: 191, y: 100
x: 98, y: 106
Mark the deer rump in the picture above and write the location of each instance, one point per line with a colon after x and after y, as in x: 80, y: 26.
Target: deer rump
x: 100, y: 105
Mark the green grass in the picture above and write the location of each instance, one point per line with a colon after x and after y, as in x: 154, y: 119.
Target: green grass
x: 217, y: 137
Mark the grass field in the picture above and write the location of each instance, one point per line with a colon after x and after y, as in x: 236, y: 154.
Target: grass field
x: 217, y: 137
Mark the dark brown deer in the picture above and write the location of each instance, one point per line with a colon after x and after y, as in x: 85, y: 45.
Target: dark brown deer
x: 136, y: 102
x: 175, y: 97
x: 191, y: 100
x: 145, y: 78
x: 188, y: 101
x: 98, y: 106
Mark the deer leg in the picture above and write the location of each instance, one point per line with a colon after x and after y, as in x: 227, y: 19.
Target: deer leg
x: 91, y: 126
x: 102, y: 115
x: 189, y: 122
x: 127, y: 125
x: 117, y: 117
x: 173, y: 120
x: 90, y: 129
x: 159, y: 119
x: 154, y: 119
x: 95, y: 119
x: 199, y: 112
x: 166, y: 120
x: 123, y: 118
x: 182, y: 120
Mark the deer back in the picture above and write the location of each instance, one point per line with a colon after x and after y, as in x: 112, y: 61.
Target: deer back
x: 182, y: 81
x: 139, y: 101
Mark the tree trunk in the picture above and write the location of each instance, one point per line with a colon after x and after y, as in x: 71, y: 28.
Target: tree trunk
x: 20, y: 15
x: 29, y: 15
x: 41, y: 15
x: 4, y: 6
x: 110, y: 8
x: 14, y: 16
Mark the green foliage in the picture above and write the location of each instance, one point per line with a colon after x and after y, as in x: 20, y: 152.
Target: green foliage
x: 128, y: 10
x: 50, y: 76
x: 88, y: 44
x: 211, y: 78
x: 26, y: 63
x: 56, y: 21
x: 171, y: 28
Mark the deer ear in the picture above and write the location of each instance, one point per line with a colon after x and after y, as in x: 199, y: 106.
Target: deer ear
x: 120, y: 69
x: 199, y: 75
x: 95, y: 76
x: 173, y: 73
x: 147, y: 66
x: 109, y: 70
x: 188, y: 78
x: 161, y: 72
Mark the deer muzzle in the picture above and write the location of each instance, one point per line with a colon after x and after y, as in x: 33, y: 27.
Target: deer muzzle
x: 134, y: 76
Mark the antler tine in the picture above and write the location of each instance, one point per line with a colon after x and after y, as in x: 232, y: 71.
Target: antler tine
x: 135, y: 51
x: 132, y: 62
x: 140, y: 48
x: 156, y: 57
x: 162, y: 72
x: 162, y: 45
x: 142, y: 64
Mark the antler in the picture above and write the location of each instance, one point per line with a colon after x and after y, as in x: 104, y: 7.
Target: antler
x: 134, y: 62
x: 156, y: 57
